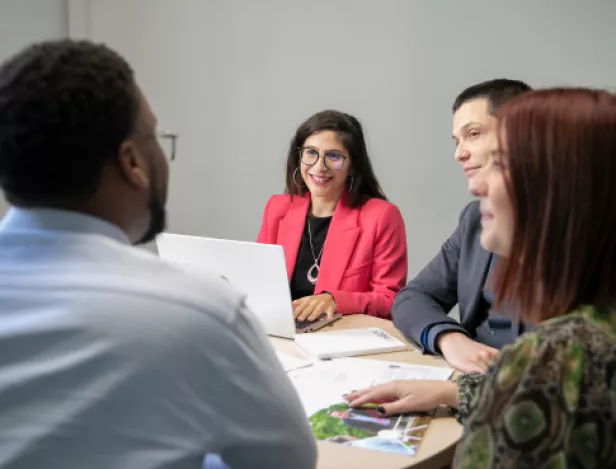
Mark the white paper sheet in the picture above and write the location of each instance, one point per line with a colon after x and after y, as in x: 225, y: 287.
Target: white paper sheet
x: 290, y: 363
x: 326, y: 382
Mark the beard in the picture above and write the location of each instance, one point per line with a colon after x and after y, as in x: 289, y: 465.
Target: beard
x: 158, y: 218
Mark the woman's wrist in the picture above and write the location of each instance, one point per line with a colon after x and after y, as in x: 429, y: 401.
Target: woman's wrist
x: 450, y: 395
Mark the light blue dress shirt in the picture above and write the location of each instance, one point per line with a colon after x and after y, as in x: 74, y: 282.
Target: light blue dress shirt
x: 111, y: 358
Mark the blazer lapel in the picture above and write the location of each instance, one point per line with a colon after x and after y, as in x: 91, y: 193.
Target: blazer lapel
x: 480, y: 271
x: 291, y: 229
x: 339, y: 246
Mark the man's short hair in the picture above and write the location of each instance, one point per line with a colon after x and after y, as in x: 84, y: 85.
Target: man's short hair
x: 497, y: 92
x: 65, y: 108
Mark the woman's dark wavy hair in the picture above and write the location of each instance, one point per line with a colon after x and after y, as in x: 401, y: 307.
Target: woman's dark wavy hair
x: 365, y: 185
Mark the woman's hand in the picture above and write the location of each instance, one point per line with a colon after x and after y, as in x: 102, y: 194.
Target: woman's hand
x: 398, y: 397
x: 310, y: 308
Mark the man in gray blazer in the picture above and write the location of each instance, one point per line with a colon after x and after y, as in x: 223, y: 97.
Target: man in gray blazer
x: 460, y: 272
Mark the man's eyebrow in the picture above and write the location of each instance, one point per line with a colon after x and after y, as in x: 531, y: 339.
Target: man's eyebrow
x: 467, y: 125
x: 472, y: 123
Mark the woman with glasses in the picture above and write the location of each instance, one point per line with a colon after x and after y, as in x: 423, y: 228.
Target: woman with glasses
x: 548, y: 206
x: 344, y: 243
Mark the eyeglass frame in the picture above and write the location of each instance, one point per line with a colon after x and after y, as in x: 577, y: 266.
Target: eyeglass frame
x: 300, y: 150
x: 169, y: 136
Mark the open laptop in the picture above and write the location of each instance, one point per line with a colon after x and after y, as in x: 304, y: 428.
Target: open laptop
x: 257, y: 270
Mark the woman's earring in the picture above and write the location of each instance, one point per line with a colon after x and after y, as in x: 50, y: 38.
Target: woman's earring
x: 351, y: 183
x: 295, y: 178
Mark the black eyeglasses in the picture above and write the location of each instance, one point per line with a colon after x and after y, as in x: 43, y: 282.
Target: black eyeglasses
x: 168, y: 141
x: 332, y: 160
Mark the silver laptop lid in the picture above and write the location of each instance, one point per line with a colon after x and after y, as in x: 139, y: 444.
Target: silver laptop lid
x: 257, y: 270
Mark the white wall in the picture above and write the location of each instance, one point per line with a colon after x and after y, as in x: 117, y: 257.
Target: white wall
x: 25, y: 21
x: 236, y: 77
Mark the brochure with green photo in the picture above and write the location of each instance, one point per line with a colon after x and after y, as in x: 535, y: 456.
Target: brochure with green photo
x: 366, y: 428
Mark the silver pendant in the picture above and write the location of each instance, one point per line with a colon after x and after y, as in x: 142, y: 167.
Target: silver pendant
x: 313, y: 278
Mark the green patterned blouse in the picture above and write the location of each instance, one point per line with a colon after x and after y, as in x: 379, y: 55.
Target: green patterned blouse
x: 547, y: 402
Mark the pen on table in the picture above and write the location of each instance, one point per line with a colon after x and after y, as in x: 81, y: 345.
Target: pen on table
x: 369, y: 405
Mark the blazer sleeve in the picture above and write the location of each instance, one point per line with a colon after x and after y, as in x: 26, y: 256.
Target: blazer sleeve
x: 430, y: 296
x: 265, y: 237
x: 389, y: 270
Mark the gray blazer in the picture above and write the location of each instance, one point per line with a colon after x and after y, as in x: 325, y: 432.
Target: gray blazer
x: 455, y: 276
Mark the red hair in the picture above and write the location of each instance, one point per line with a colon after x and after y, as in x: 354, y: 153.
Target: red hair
x: 561, y: 158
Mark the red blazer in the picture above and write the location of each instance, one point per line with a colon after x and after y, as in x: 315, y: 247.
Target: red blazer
x: 364, y: 261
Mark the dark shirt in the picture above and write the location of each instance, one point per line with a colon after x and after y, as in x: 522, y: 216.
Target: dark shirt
x: 300, y: 286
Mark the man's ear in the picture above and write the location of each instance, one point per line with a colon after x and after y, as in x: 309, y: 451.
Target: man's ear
x: 133, y: 165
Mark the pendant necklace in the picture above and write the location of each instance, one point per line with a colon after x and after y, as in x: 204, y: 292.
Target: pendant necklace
x: 313, y: 272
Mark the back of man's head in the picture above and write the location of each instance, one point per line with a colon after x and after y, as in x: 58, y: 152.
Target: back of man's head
x: 65, y: 108
x: 497, y: 92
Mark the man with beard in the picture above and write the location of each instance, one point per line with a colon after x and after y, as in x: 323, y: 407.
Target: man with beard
x: 109, y: 357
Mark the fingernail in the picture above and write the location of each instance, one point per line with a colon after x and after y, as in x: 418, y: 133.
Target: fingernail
x: 380, y: 409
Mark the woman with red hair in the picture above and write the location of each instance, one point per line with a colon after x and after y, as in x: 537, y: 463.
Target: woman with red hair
x: 548, y: 204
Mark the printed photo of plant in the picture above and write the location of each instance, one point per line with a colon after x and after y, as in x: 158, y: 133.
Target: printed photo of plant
x: 367, y: 428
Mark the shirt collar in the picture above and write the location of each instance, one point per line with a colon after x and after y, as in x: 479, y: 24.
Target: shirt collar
x: 47, y: 219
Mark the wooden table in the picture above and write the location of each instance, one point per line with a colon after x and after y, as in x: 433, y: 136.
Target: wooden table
x: 438, y: 444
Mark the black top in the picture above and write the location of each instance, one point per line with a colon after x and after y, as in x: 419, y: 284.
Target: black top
x: 300, y: 286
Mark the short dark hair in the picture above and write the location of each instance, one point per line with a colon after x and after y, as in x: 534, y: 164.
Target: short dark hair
x: 560, y: 146
x: 351, y: 135
x: 497, y: 92
x: 65, y: 108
